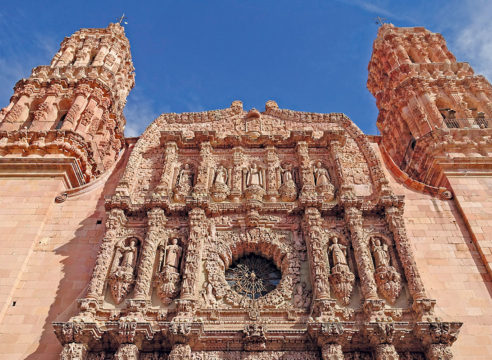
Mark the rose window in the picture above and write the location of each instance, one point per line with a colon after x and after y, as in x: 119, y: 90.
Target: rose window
x: 253, y: 276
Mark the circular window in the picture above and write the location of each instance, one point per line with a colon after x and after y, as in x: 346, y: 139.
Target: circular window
x: 253, y: 276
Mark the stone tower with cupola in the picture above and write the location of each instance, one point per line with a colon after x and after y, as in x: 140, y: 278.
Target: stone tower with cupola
x: 72, y: 110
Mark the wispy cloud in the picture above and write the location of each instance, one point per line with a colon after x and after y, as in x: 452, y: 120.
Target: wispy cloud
x: 472, y: 39
x: 139, y: 112
x: 378, y: 8
x: 15, y: 43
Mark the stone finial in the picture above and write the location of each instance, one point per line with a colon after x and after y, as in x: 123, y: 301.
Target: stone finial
x: 237, y: 106
x: 253, y: 113
x: 271, y: 105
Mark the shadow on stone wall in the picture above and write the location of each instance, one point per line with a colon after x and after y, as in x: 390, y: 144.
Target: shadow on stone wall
x: 76, y: 267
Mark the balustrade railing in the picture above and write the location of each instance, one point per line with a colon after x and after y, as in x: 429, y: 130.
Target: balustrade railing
x: 473, y: 123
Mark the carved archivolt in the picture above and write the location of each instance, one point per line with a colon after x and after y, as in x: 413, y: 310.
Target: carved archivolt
x: 272, y: 244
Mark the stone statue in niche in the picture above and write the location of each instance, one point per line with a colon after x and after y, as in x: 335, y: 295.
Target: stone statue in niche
x: 184, y: 183
x: 288, y: 188
x: 122, y: 277
x: 341, y: 278
x: 322, y: 181
x: 302, y: 296
x: 220, y: 186
x: 168, y: 276
x: 255, y: 182
x: 388, y: 280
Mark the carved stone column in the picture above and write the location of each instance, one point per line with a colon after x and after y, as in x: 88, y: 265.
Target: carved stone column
x: 318, y: 259
x: 237, y: 174
x: 193, y: 260
x: 82, y: 93
x: 385, y: 352
x: 127, y: 352
x: 439, y: 352
x: 74, y: 351
x: 397, y: 227
x: 114, y: 228
x: 171, y: 156
x: 200, y: 191
x: 353, y: 218
x: 156, y: 232
x: 180, y: 352
x: 271, y: 175
x: 308, y: 193
x: 332, y: 352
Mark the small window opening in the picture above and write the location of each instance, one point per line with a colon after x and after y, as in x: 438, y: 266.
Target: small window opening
x: 13, y: 303
x: 60, y: 123
x: 99, y: 222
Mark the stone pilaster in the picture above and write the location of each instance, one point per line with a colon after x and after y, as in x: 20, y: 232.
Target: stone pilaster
x: 114, y: 228
x: 271, y: 175
x: 397, y: 226
x: 200, y: 191
x: 332, y: 352
x: 180, y: 352
x: 74, y: 351
x: 353, y: 218
x: 155, y: 233
x: 237, y: 174
x: 127, y: 352
x: 193, y: 260
x: 170, y: 160
x: 385, y: 352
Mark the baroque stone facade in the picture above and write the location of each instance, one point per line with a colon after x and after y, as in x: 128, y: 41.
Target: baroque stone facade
x: 239, y: 234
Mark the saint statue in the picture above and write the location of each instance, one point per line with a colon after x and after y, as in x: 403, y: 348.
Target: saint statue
x: 338, y: 252
x: 254, y: 176
x: 220, y: 176
x: 126, y: 256
x: 184, y: 183
x: 173, y: 254
x: 321, y: 175
x: 380, y: 251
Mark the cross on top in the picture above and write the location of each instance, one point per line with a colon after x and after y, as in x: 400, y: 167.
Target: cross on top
x: 122, y: 19
x: 380, y: 20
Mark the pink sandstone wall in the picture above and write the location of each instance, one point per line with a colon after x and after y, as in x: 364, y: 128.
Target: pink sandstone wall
x: 451, y: 267
x: 474, y: 198
x: 58, y: 268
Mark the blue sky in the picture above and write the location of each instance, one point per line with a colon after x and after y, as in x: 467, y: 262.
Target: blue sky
x: 201, y: 55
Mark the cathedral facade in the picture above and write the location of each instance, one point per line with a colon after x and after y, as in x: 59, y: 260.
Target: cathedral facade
x: 239, y: 234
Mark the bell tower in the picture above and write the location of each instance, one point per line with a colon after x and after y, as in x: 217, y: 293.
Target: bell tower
x: 71, y: 111
x: 428, y: 103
